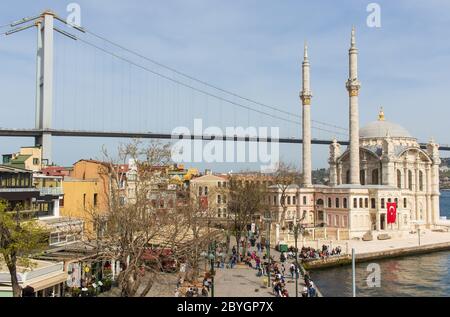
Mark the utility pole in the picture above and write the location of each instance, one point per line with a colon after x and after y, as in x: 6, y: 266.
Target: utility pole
x: 354, y: 272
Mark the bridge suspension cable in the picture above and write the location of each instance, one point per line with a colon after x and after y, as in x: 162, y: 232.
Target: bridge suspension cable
x: 183, y: 74
x: 115, y: 55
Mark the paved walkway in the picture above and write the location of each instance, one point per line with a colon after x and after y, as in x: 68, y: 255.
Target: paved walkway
x: 243, y: 282
x: 427, y: 237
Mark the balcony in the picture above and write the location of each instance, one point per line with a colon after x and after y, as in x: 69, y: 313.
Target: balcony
x: 18, y: 190
x: 51, y: 191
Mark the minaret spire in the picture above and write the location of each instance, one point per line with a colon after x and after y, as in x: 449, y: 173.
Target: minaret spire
x: 353, y: 87
x: 306, y: 96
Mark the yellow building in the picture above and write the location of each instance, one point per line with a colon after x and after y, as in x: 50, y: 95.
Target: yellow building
x: 28, y: 158
x: 86, y: 193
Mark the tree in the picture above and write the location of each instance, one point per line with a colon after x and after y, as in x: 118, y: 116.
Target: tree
x: 148, y: 220
x: 18, y: 239
x: 246, y: 200
x: 285, y: 176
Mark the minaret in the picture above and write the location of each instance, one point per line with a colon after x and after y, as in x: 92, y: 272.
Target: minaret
x: 305, y: 96
x: 353, y: 86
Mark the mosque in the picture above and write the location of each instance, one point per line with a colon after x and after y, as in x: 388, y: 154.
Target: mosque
x: 383, y: 164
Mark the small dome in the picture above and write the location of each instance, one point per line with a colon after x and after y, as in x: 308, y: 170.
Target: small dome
x: 381, y: 128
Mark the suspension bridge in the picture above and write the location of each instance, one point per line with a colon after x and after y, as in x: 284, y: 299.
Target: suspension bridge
x: 90, y: 86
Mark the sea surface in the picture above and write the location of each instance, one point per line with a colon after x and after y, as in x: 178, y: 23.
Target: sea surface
x: 424, y: 275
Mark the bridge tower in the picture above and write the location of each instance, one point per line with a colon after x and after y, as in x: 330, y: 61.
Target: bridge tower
x: 44, y: 84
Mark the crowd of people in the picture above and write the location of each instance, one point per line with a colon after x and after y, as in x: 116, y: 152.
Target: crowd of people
x: 311, y: 253
x: 257, y: 258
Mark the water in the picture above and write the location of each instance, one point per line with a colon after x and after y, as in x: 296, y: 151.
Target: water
x: 424, y: 275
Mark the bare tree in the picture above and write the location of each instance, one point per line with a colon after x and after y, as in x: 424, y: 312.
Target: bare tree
x: 284, y: 176
x: 246, y: 200
x: 143, y: 221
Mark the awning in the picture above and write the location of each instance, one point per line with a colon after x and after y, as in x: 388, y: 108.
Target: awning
x: 47, y: 282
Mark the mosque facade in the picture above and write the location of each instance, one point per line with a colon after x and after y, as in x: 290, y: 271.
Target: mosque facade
x: 383, y: 164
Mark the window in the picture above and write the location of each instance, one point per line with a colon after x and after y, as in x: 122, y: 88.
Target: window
x: 61, y: 202
x: 347, y: 177
x: 219, y: 199
x: 366, y: 203
x: 382, y: 203
x: 409, y: 180
x: 345, y: 203
x: 399, y: 179
x: 336, y: 221
x: 304, y: 200
x: 84, y: 201
x: 224, y: 184
x: 206, y: 190
x: 224, y: 199
x: 361, y: 203
x: 274, y: 200
x: 219, y: 212
x: 337, y: 202
x: 319, y: 201
x: 396, y: 201
x: 329, y: 202
x: 375, y: 177
x: 405, y: 202
x: 373, y: 203
x: 420, y: 181
x: 219, y: 184
x: 95, y: 199
x: 344, y: 221
x: 35, y: 161
x: 288, y: 200
x: 355, y: 203
x: 200, y: 190
x: 389, y: 200
x: 294, y: 200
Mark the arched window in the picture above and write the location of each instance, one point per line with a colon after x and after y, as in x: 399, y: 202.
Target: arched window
x: 345, y: 203
x: 405, y: 203
x: 361, y: 203
x: 200, y: 191
x: 399, y: 179
x: 366, y: 203
x: 372, y: 203
x: 320, y: 202
x: 337, y: 202
x: 304, y: 200
x: 420, y: 181
x: 355, y: 203
x: 329, y: 202
x: 409, y: 180
x: 375, y: 177
x: 382, y: 203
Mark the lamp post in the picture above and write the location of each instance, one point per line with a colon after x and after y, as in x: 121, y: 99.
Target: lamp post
x: 212, y: 257
x: 268, y: 220
x: 296, y: 259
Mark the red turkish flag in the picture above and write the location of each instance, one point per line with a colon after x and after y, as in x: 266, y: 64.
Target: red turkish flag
x: 391, y: 212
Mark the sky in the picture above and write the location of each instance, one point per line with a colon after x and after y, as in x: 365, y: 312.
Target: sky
x: 253, y: 48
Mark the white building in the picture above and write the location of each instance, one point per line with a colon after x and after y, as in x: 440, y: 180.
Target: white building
x: 382, y: 164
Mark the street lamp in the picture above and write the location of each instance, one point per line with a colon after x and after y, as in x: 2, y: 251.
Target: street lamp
x: 212, y: 257
x: 268, y: 220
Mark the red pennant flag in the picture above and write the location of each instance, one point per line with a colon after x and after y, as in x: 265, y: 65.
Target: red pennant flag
x: 391, y: 212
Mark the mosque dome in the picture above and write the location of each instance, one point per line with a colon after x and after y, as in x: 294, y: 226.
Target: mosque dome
x: 381, y: 128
